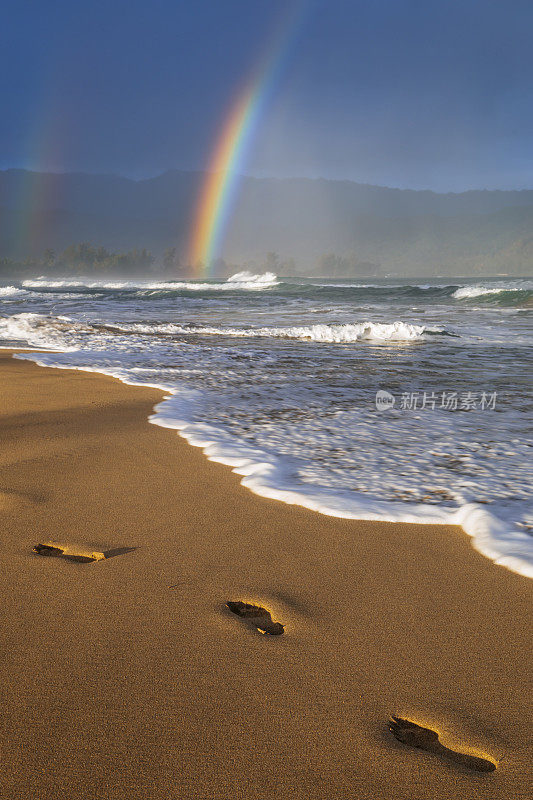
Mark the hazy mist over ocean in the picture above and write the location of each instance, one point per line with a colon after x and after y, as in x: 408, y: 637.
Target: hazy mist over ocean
x: 293, y: 226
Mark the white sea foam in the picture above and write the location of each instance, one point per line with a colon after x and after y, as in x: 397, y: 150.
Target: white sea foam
x: 267, y: 475
x: 383, y: 286
x: 241, y: 281
x: 356, y: 332
x: 298, y: 422
x: 44, y: 330
x: 475, y: 291
x: 466, y: 292
x: 360, y: 331
x: 47, y: 283
x: 11, y: 293
x: 41, y: 330
x: 250, y: 278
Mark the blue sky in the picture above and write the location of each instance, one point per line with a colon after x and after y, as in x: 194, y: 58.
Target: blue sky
x: 394, y: 92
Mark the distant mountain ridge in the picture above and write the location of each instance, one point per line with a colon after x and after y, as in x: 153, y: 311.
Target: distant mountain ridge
x: 404, y: 231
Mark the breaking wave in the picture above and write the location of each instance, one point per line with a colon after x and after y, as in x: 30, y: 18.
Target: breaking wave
x: 516, y: 293
x: 241, y: 281
x: 359, y: 331
x: 43, y: 330
x: 249, y: 279
x: 467, y: 292
x: 10, y: 291
x: 296, y: 419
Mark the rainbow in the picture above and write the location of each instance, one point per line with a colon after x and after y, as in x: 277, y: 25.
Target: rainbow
x: 38, y: 191
x: 218, y: 192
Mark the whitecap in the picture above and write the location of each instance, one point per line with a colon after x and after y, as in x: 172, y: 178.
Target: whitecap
x: 10, y: 291
x: 465, y: 292
x: 356, y: 332
x: 239, y: 281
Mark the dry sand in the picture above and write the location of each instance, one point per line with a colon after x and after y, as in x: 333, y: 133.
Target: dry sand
x: 117, y: 686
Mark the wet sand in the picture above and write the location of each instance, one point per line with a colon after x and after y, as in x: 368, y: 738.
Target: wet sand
x: 129, y: 677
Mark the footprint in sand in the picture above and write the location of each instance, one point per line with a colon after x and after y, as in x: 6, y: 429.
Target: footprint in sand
x: 257, y: 616
x: 70, y: 555
x: 425, y: 739
x: 83, y: 555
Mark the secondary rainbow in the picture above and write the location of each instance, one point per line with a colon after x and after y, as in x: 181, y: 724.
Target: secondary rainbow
x: 218, y: 192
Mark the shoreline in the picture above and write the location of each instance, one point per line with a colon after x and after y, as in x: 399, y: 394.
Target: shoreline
x: 118, y: 685
x: 489, y: 534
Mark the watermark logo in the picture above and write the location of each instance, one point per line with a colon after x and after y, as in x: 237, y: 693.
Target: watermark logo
x: 447, y: 401
x: 384, y: 400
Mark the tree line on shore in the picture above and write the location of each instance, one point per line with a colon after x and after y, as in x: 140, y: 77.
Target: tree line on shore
x: 92, y: 260
x: 80, y: 259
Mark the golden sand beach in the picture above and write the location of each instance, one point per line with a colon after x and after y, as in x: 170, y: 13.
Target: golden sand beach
x: 129, y: 677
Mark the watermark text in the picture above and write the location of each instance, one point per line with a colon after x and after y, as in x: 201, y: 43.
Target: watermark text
x: 430, y: 401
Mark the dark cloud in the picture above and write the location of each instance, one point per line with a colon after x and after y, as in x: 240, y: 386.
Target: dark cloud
x: 394, y: 92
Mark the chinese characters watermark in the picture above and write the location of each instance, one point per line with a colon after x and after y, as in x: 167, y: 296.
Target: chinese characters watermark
x: 448, y: 401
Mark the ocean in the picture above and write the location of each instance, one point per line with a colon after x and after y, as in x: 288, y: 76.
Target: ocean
x: 386, y: 400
